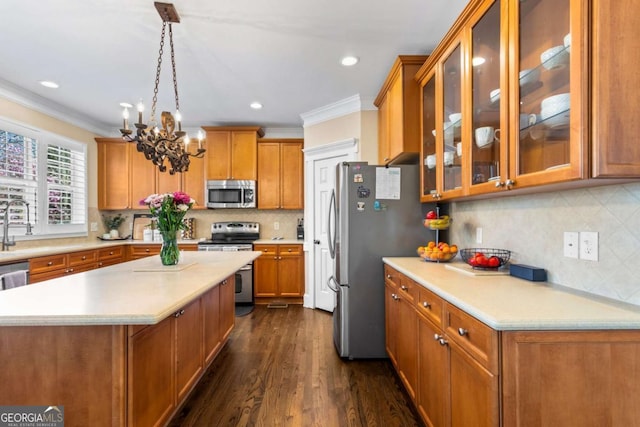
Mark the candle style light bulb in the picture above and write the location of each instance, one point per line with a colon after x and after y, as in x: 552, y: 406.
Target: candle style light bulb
x: 186, y: 142
x: 125, y: 116
x: 200, y: 138
x: 140, y: 107
x: 179, y: 119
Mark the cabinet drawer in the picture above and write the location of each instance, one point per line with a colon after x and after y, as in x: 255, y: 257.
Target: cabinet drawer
x: 478, y: 339
x: 430, y: 305
x: 286, y: 250
x: 78, y: 259
x: 266, y: 249
x: 408, y: 289
x: 137, y: 251
x: 114, y: 252
x: 48, y: 263
x: 392, y: 275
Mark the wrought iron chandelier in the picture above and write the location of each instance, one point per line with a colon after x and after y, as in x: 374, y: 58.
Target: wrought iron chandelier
x: 167, y: 142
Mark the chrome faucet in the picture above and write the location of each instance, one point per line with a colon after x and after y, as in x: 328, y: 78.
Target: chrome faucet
x: 6, y: 240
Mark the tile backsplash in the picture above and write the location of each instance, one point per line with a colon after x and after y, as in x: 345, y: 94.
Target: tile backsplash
x: 533, y: 226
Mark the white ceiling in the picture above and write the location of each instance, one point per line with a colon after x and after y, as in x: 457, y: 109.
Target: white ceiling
x: 282, y: 53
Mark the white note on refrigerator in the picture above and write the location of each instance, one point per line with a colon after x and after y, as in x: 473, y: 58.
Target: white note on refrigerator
x: 388, y: 183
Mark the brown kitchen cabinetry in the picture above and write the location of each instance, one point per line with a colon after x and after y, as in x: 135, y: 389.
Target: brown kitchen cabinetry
x: 399, y: 112
x: 232, y: 152
x: 136, y: 251
x: 58, y: 265
x: 543, y: 73
x: 166, y: 360
x: 401, y: 332
x: 279, y: 271
x: 125, y: 177
x: 280, y: 174
x: 447, y: 360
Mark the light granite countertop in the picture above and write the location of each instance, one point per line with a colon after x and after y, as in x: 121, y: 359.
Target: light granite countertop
x: 135, y: 292
x: 508, y: 303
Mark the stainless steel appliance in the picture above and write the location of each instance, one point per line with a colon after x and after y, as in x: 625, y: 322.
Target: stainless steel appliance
x: 231, y: 193
x: 231, y: 237
x: 375, y: 211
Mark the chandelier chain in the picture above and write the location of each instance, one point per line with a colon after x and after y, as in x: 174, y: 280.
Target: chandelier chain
x: 157, y: 82
x: 173, y: 67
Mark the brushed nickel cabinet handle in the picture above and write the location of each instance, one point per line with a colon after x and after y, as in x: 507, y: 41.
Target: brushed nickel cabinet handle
x: 462, y: 332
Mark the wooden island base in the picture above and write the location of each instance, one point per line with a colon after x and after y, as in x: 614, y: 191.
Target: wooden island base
x: 116, y: 375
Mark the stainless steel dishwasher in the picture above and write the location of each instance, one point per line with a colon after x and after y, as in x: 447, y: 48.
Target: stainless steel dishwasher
x: 11, y: 268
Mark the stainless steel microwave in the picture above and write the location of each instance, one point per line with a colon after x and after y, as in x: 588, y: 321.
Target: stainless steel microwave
x: 231, y: 193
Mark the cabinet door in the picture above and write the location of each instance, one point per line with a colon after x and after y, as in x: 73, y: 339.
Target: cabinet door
x: 290, y: 271
x: 453, y: 120
x: 432, y: 399
x: 193, y: 181
x: 429, y: 134
x: 396, y: 118
x: 189, y: 349
x: 168, y: 183
x: 292, y: 175
x: 615, y: 108
x: 151, y: 379
x: 474, y: 391
x: 383, y: 130
x: 113, y: 173
x: 265, y: 271
x: 547, y: 85
x: 407, y: 343
x: 269, y: 166
x: 211, y: 323
x: 391, y: 320
x: 244, y: 155
x: 227, y: 306
x: 489, y: 132
x: 218, y: 155
x: 143, y: 178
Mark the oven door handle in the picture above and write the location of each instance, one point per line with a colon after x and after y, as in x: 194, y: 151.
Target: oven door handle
x: 247, y: 267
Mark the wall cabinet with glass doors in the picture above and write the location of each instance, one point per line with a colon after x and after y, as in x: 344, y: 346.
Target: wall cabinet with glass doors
x: 509, y: 98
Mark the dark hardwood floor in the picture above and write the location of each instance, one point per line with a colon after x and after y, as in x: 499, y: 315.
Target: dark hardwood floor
x: 280, y: 368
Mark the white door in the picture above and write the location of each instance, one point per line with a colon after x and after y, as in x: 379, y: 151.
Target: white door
x: 320, y: 174
x: 324, y: 179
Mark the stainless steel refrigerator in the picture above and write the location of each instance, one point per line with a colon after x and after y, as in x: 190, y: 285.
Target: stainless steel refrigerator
x: 375, y: 212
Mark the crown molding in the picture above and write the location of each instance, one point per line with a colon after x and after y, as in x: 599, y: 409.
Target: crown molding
x: 38, y: 103
x: 284, y: 133
x: 345, y: 106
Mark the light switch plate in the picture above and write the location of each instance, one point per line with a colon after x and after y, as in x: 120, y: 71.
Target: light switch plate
x: 570, y: 247
x: 589, y: 245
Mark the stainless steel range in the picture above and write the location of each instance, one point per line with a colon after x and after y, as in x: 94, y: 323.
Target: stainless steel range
x: 231, y: 237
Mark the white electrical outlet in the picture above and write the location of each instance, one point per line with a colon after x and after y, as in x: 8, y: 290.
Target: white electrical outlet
x: 94, y: 226
x: 479, y: 235
x: 589, y: 245
x: 276, y: 225
x: 571, y: 244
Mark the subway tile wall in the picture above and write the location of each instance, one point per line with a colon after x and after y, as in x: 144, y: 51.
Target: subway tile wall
x: 533, y: 226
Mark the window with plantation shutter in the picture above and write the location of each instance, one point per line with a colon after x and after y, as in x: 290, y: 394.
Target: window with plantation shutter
x: 49, y: 173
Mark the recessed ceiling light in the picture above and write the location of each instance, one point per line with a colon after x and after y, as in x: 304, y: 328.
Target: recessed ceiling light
x: 478, y: 60
x: 49, y: 84
x: 255, y: 105
x: 349, y: 61
x: 126, y: 105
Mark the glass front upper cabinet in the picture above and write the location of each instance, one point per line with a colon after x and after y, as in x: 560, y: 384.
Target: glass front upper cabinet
x: 488, y: 139
x: 429, y: 183
x: 544, y: 80
x: 452, y: 119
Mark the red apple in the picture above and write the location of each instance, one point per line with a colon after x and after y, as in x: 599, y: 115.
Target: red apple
x: 432, y: 215
x: 494, y: 261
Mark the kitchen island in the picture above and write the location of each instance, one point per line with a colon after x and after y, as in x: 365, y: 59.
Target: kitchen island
x: 121, y: 345
x: 509, y: 352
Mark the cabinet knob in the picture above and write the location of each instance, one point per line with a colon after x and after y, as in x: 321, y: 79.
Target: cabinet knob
x: 510, y: 183
x: 388, y: 276
x: 316, y: 242
x: 111, y: 253
x: 499, y: 184
x: 70, y: 270
x: 289, y: 250
x: 425, y: 304
x: 404, y: 288
x: 462, y: 332
x: 50, y: 263
x: 84, y: 257
x: 395, y: 297
x: 443, y: 342
x: 146, y: 250
x: 437, y: 337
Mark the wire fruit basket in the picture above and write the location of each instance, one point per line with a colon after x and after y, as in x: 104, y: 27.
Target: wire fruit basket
x: 485, y: 258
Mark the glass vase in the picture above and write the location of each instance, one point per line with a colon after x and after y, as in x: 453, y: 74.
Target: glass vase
x: 169, y: 253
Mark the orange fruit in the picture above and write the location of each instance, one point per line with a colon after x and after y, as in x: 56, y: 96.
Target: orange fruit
x: 431, y: 244
x: 453, y: 248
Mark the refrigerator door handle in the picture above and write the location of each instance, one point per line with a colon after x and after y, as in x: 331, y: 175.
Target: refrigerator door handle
x: 332, y: 279
x: 333, y: 214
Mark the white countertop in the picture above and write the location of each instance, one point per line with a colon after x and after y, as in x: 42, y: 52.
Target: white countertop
x: 509, y: 303
x: 282, y: 241
x: 122, y: 293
